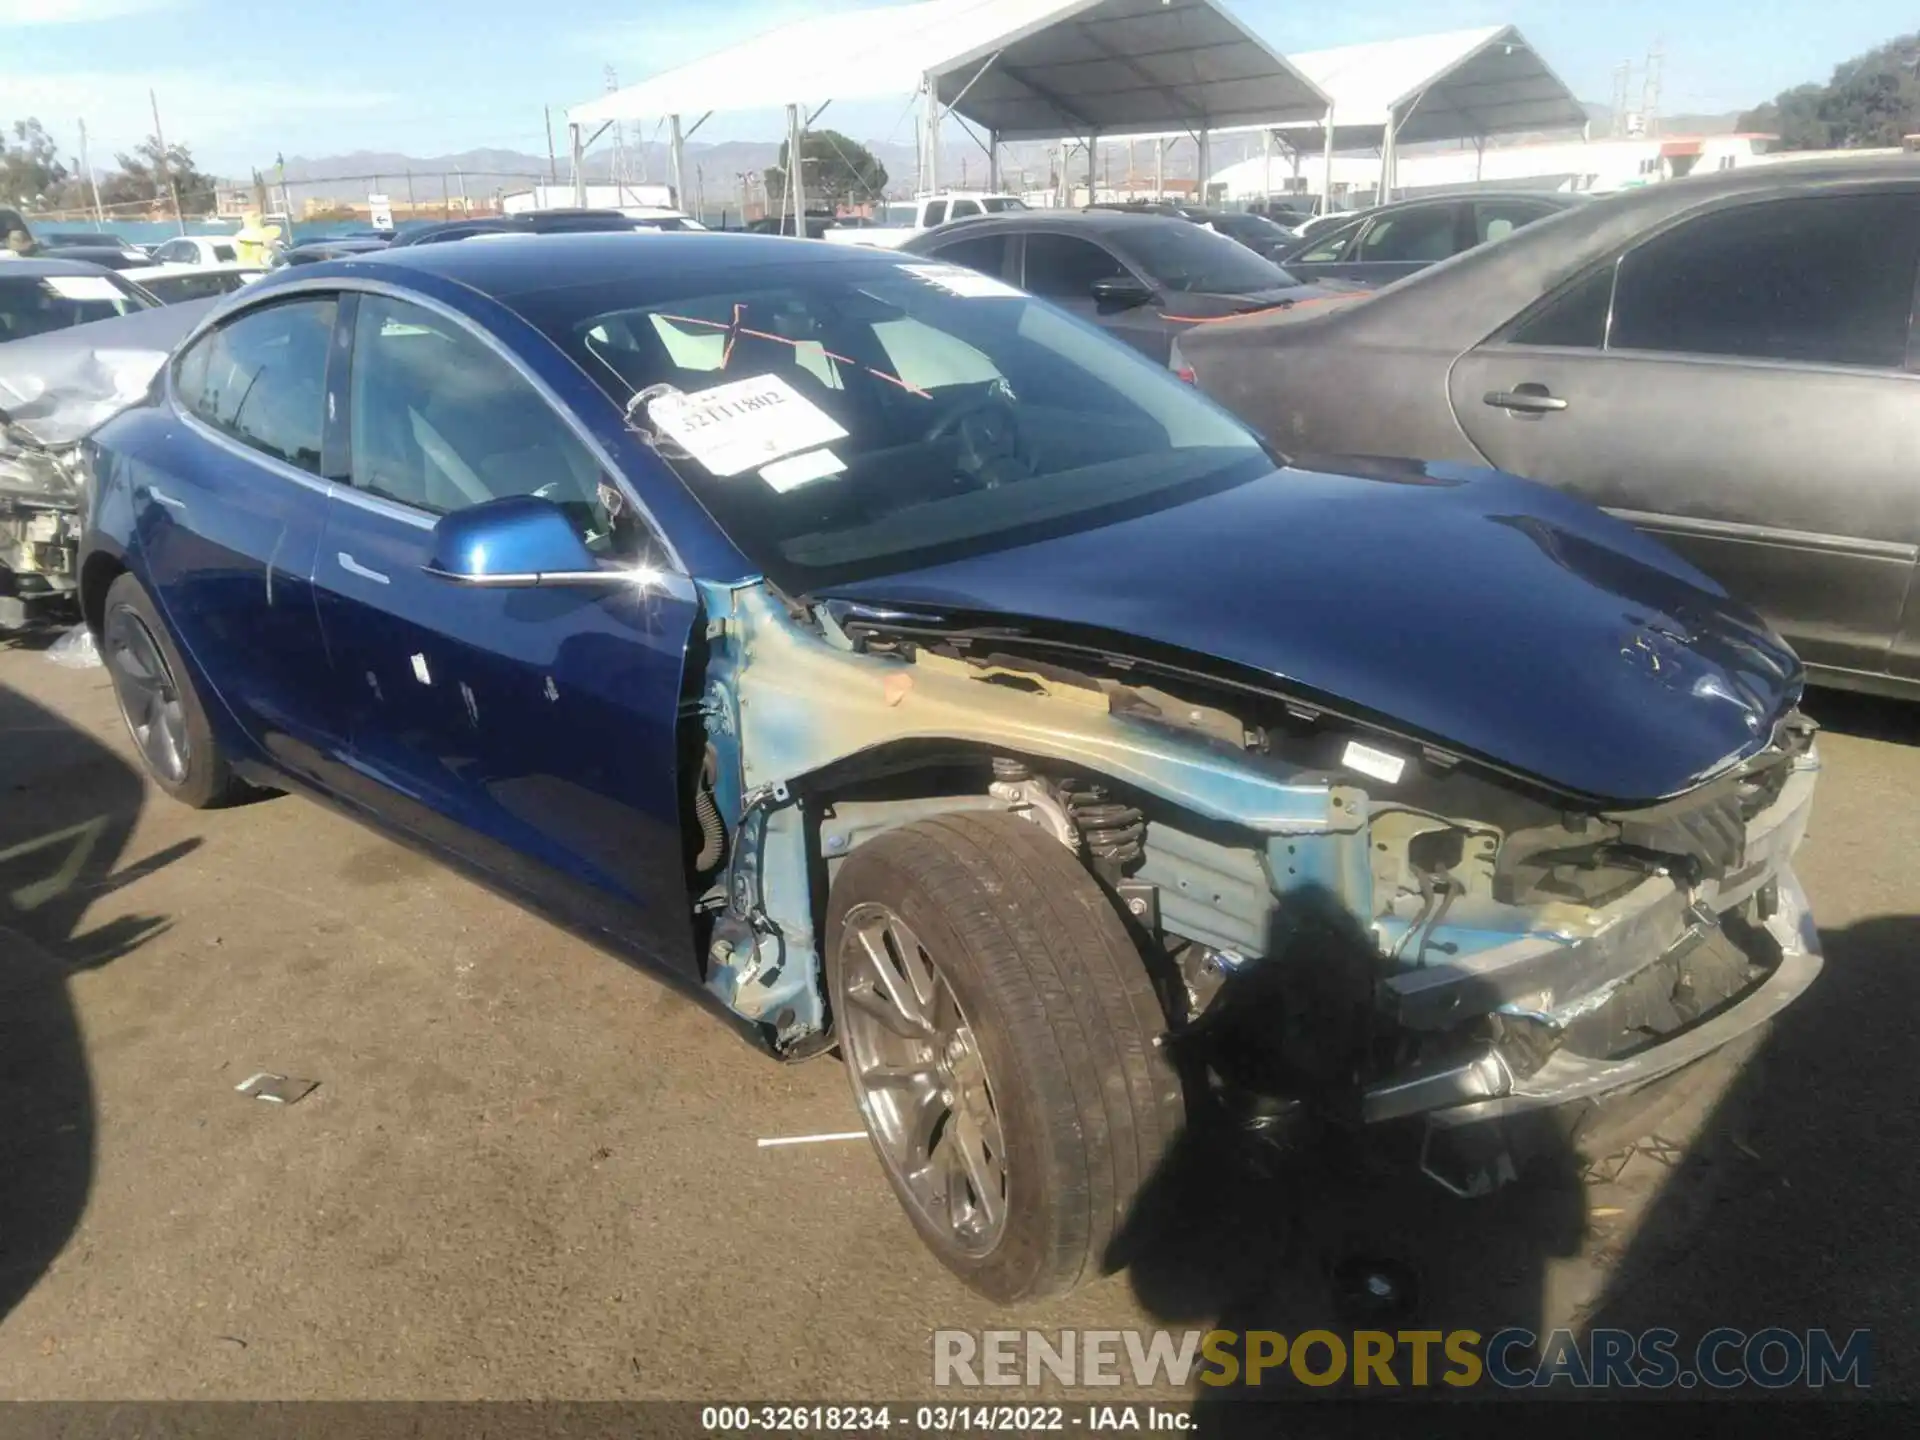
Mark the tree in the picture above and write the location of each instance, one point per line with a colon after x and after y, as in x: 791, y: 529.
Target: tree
x: 1872, y: 101
x: 141, y: 179
x: 30, y: 168
x: 838, y: 170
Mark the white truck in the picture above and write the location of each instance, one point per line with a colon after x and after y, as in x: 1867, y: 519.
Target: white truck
x: 898, y: 221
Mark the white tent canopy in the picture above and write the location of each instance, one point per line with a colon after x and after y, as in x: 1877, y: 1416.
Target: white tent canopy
x: 1462, y: 84
x: 1020, y: 69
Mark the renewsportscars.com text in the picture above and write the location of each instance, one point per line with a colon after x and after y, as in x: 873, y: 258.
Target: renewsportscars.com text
x: 1513, y: 1359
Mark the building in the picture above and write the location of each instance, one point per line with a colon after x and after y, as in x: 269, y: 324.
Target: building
x: 598, y: 197
x: 1585, y: 166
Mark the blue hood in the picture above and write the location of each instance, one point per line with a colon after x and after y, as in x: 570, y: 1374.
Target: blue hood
x: 1470, y: 607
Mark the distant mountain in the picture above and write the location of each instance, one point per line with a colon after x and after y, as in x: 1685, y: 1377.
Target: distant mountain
x: 1724, y: 123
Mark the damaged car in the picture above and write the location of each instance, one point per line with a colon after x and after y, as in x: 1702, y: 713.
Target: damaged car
x: 910, y: 670
x: 87, y: 345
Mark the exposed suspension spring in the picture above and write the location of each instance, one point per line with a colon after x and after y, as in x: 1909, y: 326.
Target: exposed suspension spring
x: 1113, y: 831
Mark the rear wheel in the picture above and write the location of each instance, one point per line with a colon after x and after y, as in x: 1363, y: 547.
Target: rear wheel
x: 157, y: 700
x: 999, y: 1030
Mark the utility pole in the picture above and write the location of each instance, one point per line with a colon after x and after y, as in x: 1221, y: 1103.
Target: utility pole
x: 1650, y: 91
x: 461, y: 176
x: 166, y: 169
x: 99, y: 215
x: 553, y: 165
x: 619, y: 176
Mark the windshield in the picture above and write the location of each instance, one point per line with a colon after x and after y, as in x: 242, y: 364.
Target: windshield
x: 1192, y: 259
x: 998, y: 204
x: 35, y: 304
x: 854, y: 419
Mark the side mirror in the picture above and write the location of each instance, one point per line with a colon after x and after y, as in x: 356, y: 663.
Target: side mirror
x: 1120, y: 292
x: 515, y: 543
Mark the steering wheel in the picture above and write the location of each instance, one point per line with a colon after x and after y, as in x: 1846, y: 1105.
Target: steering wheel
x: 988, y: 431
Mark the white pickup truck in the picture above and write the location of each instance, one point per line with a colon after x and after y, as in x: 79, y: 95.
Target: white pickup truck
x: 900, y: 220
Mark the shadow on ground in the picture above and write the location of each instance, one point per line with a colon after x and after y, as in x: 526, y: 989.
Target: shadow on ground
x: 1791, y: 1209
x: 68, y: 802
x: 1325, y: 1225
x: 1799, y: 1211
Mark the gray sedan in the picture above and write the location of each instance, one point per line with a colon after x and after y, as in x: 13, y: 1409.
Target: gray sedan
x: 1722, y: 360
x: 1390, y: 241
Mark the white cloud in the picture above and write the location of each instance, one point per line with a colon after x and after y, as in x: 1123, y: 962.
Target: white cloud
x: 213, y: 116
x: 17, y: 14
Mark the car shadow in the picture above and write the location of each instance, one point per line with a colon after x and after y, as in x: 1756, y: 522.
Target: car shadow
x: 1869, y: 717
x: 1303, y: 1220
x: 67, y: 806
x: 1795, y: 1210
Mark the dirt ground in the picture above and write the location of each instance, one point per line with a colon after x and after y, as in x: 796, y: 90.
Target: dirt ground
x: 529, y: 1171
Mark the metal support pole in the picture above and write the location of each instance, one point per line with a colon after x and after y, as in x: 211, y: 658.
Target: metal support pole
x: 166, y: 169
x: 1266, y: 164
x: 1205, y: 142
x: 930, y: 135
x: 1326, y: 173
x: 553, y: 165
x: 578, y: 148
x: 86, y: 164
x: 797, y: 169
x: 676, y: 161
x: 1160, y: 168
x: 1093, y: 157
x: 993, y: 160
x: 1384, y: 192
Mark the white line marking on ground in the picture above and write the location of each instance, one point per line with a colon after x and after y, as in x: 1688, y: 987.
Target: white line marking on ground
x: 812, y: 1139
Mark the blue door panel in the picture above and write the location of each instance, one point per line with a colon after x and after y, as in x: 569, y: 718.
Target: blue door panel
x: 530, y: 731
x: 227, y: 544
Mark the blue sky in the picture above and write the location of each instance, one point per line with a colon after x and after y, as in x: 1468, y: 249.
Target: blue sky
x: 238, y: 83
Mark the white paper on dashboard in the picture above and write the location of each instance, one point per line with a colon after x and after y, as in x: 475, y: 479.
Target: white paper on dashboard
x: 82, y: 287
x: 743, y: 423
x: 958, y: 280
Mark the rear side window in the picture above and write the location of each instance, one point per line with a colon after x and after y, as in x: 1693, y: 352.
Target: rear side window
x: 1330, y: 249
x: 985, y: 253
x: 1064, y: 267
x: 936, y: 212
x: 1821, y: 280
x: 224, y: 254
x: 1413, y: 236
x: 262, y: 378
x: 35, y: 304
x: 1497, y: 219
x: 1576, y: 318
x: 964, y: 208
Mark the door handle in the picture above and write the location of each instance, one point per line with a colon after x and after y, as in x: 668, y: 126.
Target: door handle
x: 354, y: 567
x: 1527, y: 399
x: 165, y: 499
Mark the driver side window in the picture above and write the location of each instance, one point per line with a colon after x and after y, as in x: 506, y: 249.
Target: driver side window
x: 438, y: 421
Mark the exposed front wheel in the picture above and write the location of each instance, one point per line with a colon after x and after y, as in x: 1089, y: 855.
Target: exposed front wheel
x: 998, y: 1026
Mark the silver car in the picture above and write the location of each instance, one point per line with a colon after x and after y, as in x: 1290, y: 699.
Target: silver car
x: 1725, y: 361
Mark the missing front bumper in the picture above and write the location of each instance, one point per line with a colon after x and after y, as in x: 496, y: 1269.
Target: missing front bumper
x: 1484, y: 1086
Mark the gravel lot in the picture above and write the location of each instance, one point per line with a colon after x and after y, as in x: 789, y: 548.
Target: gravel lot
x: 530, y: 1171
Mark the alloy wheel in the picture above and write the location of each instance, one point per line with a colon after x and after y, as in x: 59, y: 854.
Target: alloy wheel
x: 921, y: 1082
x: 149, y: 695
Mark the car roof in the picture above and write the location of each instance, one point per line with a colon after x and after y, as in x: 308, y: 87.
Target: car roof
x: 223, y: 267
x: 49, y: 265
x: 1112, y: 222
x: 544, y: 262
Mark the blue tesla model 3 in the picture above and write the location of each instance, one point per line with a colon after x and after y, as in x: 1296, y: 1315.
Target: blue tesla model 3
x: 907, y: 668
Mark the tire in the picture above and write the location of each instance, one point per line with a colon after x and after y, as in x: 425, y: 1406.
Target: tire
x: 164, y: 714
x: 1049, y: 1046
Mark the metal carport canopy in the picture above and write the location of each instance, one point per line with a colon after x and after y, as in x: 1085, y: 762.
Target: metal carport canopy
x: 1461, y: 84
x: 1020, y: 69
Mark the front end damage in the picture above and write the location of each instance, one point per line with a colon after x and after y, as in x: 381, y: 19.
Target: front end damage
x: 1338, y: 918
x: 42, y: 512
x: 55, y: 390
